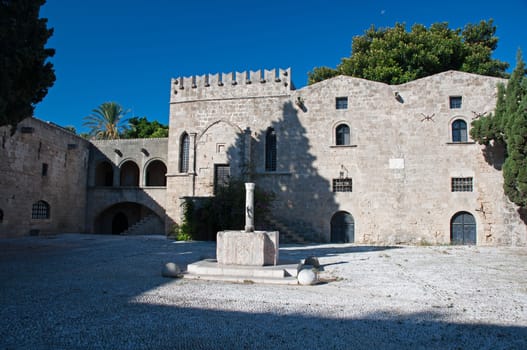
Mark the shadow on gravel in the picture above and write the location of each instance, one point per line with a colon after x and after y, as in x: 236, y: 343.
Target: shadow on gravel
x: 320, y: 251
x: 101, y: 294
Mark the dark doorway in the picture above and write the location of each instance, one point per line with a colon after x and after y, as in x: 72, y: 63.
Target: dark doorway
x: 463, y: 228
x: 119, y: 223
x: 342, y: 228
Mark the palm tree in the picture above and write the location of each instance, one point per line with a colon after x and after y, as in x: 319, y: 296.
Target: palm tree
x: 106, y: 121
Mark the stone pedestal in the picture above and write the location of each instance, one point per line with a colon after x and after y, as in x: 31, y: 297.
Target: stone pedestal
x: 257, y: 248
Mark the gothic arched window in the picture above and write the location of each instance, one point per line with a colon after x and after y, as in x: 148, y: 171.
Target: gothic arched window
x: 270, y: 150
x: 184, y: 148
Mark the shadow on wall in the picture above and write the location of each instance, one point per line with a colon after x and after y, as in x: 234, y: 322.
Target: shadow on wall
x: 280, y: 162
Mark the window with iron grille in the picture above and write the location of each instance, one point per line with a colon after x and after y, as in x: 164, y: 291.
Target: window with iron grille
x: 184, y: 153
x: 40, y: 210
x: 455, y: 102
x: 341, y: 103
x: 270, y: 150
x: 222, y: 174
x: 461, y: 184
x: 342, y: 185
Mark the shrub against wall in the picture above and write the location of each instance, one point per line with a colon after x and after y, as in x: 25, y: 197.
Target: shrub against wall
x: 204, y: 217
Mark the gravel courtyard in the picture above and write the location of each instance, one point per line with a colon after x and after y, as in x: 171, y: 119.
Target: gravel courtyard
x: 78, y: 291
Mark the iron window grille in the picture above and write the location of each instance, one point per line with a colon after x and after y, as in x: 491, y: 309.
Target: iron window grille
x: 222, y: 174
x: 40, y: 210
x: 461, y: 184
x: 343, y: 185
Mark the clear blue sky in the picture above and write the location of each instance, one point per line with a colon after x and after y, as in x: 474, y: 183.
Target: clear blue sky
x: 128, y: 50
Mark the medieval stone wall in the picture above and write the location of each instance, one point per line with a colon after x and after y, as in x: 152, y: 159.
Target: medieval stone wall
x: 400, y: 156
x: 42, y: 162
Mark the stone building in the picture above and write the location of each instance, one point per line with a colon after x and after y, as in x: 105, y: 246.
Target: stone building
x: 43, y: 171
x: 349, y: 160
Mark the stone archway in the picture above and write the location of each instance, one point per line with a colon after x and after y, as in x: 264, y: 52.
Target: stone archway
x: 342, y: 227
x: 119, y: 223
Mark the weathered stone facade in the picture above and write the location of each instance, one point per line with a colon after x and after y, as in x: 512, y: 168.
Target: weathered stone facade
x: 349, y: 160
x: 43, y: 172
x: 398, y: 161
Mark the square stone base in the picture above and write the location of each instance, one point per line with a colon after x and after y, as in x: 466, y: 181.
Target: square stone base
x: 257, y: 248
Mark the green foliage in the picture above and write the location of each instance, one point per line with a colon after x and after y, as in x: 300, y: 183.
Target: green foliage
x: 508, y: 125
x: 141, y: 128
x: 106, y: 121
x: 224, y: 211
x: 25, y: 74
x: 396, y: 56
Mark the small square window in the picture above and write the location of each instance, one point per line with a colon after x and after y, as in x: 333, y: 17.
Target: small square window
x: 341, y: 103
x: 455, y: 102
x: 461, y: 184
x: 342, y: 185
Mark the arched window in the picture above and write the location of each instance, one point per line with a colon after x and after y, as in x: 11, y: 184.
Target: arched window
x: 129, y: 174
x: 40, y: 210
x: 104, y: 174
x: 270, y: 150
x: 342, y: 135
x: 463, y: 228
x: 459, y: 131
x: 184, y: 148
x: 156, y: 174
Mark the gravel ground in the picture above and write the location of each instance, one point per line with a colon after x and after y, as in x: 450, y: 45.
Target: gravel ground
x: 106, y: 292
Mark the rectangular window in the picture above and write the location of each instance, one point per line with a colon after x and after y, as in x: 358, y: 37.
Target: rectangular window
x: 44, y: 169
x: 341, y: 103
x: 342, y: 185
x: 455, y: 102
x: 461, y: 184
x: 222, y: 174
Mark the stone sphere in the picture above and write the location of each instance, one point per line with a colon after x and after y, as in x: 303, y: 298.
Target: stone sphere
x: 171, y: 270
x: 307, y: 277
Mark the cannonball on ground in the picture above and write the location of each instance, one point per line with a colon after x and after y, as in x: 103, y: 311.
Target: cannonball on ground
x: 307, y: 277
x: 171, y: 270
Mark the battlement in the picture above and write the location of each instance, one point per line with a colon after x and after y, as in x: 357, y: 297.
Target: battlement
x: 258, y: 83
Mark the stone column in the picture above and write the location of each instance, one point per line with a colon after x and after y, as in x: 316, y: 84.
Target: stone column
x: 192, y: 153
x: 249, y: 207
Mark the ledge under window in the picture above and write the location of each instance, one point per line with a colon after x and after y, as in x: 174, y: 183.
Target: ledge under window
x: 461, y: 143
x: 343, y: 146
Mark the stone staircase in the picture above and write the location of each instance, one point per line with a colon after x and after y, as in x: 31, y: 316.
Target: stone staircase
x: 146, y: 226
x: 287, y: 235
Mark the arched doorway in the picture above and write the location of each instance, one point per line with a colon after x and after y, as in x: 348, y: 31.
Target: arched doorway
x: 342, y: 228
x: 119, y: 223
x: 463, y: 228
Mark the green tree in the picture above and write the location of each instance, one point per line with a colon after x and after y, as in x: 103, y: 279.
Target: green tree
x: 106, y: 121
x: 25, y: 74
x: 396, y: 56
x: 141, y: 128
x: 508, y: 125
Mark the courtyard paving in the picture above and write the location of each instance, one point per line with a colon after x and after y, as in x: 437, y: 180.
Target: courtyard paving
x: 78, y: 291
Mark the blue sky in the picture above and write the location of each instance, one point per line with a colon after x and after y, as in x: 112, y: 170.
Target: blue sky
x: 128, y: 50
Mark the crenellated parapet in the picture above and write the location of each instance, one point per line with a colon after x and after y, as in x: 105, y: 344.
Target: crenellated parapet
x: 246, y: 84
